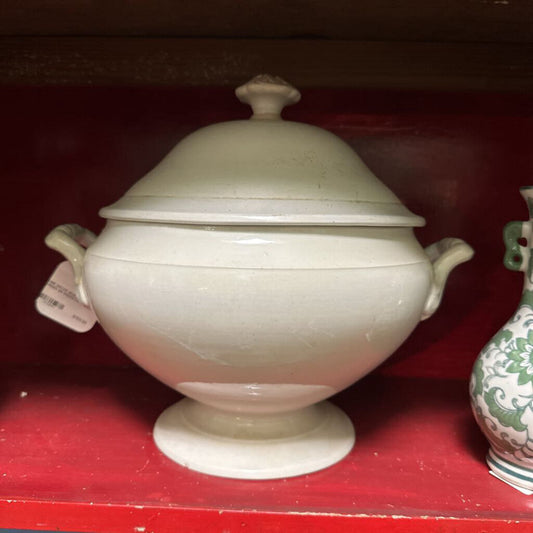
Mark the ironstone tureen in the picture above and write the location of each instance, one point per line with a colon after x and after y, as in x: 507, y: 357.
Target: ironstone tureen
x: 259, y: 269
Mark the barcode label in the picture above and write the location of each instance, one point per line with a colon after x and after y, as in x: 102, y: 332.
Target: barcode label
x: 59, y: 302
x: 48, y: 300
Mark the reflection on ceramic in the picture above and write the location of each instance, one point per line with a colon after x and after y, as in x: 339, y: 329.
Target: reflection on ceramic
x: 501, y: 386
x: 258, y: 269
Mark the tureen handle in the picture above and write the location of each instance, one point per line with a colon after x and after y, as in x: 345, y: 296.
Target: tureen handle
x: 70, y: 240
x: 267, y: 95
x: 444, y: 255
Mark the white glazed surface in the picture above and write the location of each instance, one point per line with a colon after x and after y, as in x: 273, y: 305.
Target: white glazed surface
x: 254, y: 448
x: 262, y: 172
x: 258, y: 247
x: 318, y: 308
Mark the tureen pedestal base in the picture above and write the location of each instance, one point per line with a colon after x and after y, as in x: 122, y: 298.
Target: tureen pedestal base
x: 254, y: 446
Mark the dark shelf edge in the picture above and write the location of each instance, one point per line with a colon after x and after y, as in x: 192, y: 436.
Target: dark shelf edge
x: 108, y: 61
x: 409, y: 20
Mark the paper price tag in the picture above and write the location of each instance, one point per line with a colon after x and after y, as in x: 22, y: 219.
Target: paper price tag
x: 58, y: 301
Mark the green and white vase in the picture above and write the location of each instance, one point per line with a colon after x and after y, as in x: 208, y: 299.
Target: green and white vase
x: 501, y: 386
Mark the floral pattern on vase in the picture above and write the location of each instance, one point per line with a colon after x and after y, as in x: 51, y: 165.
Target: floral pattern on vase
x: 501, y: 385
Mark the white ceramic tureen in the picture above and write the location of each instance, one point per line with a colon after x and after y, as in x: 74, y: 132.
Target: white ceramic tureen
x: 259, y: 269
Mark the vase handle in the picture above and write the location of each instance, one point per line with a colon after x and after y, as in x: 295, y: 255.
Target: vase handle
x: 444, y: 255
x: 516, y: 256
x: 70, y: 240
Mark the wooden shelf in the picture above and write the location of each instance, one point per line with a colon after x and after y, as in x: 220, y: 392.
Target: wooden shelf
x: 306, y: 63
x: 361, y: 20
x: 77, y: 454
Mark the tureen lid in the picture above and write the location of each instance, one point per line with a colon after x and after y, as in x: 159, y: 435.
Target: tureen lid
x: 262, y: 171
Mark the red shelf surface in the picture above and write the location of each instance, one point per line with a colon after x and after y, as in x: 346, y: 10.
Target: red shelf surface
x: 76, y: 454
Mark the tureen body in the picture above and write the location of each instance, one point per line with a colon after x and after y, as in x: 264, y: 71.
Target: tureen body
x: 284, y: 276
x: 319, y: 306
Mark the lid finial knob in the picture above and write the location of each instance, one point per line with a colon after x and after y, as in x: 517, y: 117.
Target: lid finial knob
x: 267, y: 95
